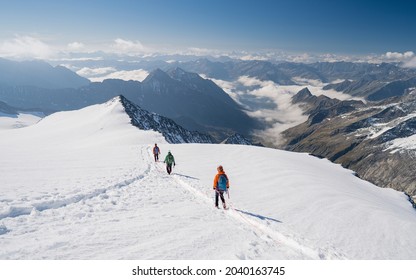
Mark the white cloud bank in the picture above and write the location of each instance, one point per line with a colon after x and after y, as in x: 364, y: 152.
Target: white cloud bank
x: 33, y: 47
x: 268, y: 102
x: 390, y: 56
x: 411, y: 63
x: 396, y: 56
x: 406, y: 59
x: 94, y: 72
x: 135, y: 75
x: 26, y: 47
x: 103, y: 73
x: 76, y: 46
x: 272, y: 103
x: 122, y: 46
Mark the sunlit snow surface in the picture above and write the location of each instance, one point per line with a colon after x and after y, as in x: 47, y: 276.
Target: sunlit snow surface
x: 19, y: 120
x: 84, y: 185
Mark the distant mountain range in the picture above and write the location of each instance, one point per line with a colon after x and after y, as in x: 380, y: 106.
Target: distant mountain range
x: 371, y: 81
x: 373, y: 89
x: 368, y: 80
x: 38, y: 74
x: 367, y: 77
x: 7, y: 110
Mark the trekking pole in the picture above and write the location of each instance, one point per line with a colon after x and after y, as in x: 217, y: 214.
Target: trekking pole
x: 228, y: 193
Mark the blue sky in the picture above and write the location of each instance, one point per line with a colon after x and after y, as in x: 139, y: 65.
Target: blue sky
x: 320, y: 26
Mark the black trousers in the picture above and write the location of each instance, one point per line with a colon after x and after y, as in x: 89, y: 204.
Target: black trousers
x: 219, y: 194
x: 169, y: 168
x: 156, y: 157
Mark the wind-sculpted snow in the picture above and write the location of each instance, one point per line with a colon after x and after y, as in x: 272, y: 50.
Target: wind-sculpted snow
x: 12, y: 211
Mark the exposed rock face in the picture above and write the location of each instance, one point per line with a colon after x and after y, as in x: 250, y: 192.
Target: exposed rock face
x: 364, y: 139
x: 172, y: 132
x: 237, y: 139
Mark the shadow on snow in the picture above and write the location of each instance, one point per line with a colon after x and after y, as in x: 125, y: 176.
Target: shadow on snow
x: 259, y: 216
x: 186, y: 176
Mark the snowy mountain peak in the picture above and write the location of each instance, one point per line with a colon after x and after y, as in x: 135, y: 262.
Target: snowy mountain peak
x: 181, y: 75
x: 157, y: 74
x: 172, y: 132
x: 304, y: 95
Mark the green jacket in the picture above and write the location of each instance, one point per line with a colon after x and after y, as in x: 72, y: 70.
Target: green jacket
x: 169, y: 159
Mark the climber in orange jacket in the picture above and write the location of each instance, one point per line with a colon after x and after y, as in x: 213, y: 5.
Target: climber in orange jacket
x: 221, y: 185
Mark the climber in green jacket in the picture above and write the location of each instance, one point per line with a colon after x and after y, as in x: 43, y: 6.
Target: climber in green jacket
x: 169, y: 160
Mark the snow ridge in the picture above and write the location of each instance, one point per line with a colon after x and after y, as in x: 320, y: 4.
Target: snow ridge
x: 172, y: 132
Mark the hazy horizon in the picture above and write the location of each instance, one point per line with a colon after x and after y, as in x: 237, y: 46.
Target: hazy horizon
x: 299, y: 31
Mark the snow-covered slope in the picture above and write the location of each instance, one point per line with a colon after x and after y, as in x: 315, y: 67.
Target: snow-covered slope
x: 11, y: 117
x: 19, y: 120
x: 84, y: 185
